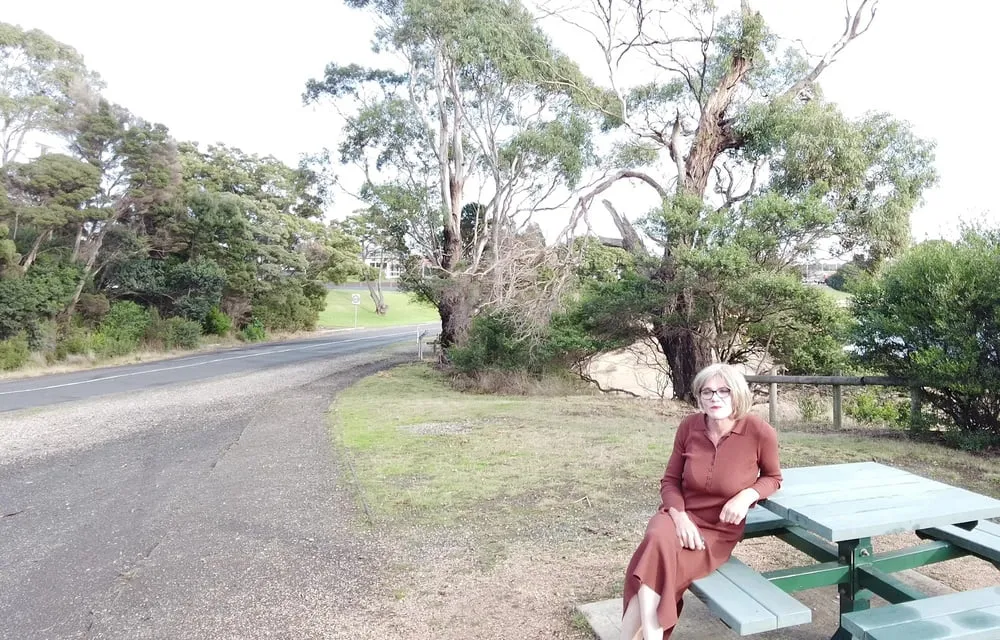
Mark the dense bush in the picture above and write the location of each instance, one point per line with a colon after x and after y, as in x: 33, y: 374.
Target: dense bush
x: 293, y: 307
x: 253, y: 332
x: 217, y: 323
x: 934, y: 318
x: 125, y: 323
x: 875, y: 407
x: 14, y: 352
x: 174, y: 333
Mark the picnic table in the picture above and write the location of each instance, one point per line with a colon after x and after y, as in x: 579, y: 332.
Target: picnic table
x: 831, y: 513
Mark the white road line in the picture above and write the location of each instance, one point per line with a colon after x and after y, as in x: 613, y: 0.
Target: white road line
x: 197, y: 364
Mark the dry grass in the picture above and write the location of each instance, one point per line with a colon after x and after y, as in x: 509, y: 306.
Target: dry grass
x: 516, y: 508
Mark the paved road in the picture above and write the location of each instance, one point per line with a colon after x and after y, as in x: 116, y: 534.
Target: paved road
x: 209, y: 508
x: 34, y: 392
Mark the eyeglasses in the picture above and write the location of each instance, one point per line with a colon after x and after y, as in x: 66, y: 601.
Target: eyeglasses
x: 723, y: 393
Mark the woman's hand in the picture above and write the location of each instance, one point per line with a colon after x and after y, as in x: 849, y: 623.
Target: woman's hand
x: 735, y: 509
x: 687, y: 531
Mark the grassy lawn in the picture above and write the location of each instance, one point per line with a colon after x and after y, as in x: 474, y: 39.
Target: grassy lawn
x: 840, y: 296
x: 425, y: 453
x: 501, y: 508
x: 339, y: 311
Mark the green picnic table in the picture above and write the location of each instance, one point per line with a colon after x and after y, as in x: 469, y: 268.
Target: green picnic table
x: 831, y: 513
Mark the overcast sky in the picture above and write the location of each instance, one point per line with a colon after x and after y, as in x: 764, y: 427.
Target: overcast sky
x: 218, y: 71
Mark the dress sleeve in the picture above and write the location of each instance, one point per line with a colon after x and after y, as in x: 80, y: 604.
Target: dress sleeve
x: 767, y: 459
x: 670, y: 484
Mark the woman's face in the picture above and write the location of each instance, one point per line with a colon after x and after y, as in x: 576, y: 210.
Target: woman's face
x: 716, y: 399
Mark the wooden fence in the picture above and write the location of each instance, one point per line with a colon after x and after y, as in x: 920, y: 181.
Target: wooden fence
x: 837, y: 382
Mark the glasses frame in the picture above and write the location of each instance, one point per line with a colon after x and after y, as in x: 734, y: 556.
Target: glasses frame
x: 724, y: 393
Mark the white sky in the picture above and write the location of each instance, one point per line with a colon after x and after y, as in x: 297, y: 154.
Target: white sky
x: 219, y: 71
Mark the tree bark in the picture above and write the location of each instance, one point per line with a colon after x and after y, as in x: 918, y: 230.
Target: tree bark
x: 687, y: 354
x: 456, y: 308
x: 686, y: 349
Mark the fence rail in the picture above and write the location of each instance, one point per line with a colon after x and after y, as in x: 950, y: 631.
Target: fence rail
x: 838, y: 383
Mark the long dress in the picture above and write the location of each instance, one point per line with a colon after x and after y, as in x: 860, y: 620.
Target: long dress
x: 700, y: 478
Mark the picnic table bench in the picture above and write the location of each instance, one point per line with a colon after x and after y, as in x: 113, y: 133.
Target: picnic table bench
x: 830, y: 513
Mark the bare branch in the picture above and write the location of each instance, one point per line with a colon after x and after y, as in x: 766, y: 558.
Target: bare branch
x: 855, y: 25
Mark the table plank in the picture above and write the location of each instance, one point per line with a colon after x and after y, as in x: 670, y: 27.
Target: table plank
x: 859, y: 500
x: 954, y: 615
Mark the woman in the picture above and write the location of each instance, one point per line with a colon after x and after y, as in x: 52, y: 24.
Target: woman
x: 724, y: 461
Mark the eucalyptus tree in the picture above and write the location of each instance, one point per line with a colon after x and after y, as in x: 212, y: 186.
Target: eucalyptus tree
x: 752, y: 170
x: 40, y: 80
x: 475, y: 105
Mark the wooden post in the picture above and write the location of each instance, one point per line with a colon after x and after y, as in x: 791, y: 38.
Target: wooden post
x: 837, y: 404
x: 772, y: 399
x: 915, y: 406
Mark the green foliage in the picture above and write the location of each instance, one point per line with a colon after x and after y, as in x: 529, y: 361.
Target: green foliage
x: 253, y: 331
x: 29, y: 300
x: 810, y: 407
x: 877, y: 406
x: 174, y: 333
x: 93, y: 307
x: 849, y: 278
x: 934, y: 318
x: 492, y: 344
x: 14, y: 352
x: 217, y: 323
x: 124, y: 327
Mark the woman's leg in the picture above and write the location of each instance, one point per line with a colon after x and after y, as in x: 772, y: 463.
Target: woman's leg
x: 649, y: 601
x: 631, y: 627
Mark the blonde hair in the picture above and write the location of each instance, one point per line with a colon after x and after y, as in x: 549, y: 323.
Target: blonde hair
x: 741, y: 398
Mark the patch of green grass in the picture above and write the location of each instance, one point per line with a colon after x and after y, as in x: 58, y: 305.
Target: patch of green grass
x: 840, y: 296
x: 426, y: 454
x: 403, y: 310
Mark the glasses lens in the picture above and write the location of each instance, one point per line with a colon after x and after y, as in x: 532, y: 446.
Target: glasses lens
x: 707, y: 394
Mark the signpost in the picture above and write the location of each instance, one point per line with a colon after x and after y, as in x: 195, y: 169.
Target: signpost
x: 356, y: 301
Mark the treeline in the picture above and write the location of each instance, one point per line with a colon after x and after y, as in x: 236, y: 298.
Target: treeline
x: 118, y: 235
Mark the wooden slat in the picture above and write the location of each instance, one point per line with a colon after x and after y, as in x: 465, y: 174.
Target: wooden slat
x: 747, y: 602
x: 760, y: 520
x: 964, y: 615
x: 984, y: 540
x: 785, y: 608
x: 729, y: 603
x: 955, y: 506
x: 981, y: 624
x: 858, y: 500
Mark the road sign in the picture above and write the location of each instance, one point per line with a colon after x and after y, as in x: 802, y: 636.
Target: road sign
x: 355, y: 298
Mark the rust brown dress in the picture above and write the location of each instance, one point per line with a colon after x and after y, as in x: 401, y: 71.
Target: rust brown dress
x: 700, y: 479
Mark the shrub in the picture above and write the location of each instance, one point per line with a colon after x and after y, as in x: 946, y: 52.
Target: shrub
x: 93, y: 307
x: 810, y: 407
x: 125, y: 323
x: 253, y: 332
x: 934, y: 319
x: 174, y: 333
x: 14, y: 352
x: 217, y: 323
x: 873, y: 407
x: 76, y: 341
x: 183, y: 333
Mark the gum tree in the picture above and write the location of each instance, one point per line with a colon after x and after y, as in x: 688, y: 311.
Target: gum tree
x: 753, y: 171
x: 476, y: 107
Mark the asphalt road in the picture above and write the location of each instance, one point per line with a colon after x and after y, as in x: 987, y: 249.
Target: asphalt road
x: 34, y: 392
x: 195, y: 498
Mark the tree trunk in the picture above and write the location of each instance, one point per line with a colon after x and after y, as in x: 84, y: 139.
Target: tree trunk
x: 30, y: 258
x: 375, y: 291
x: 685, y: 347
x: 687, y: 354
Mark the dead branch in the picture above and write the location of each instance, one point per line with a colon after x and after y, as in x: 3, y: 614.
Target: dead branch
x: 855, y: 25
